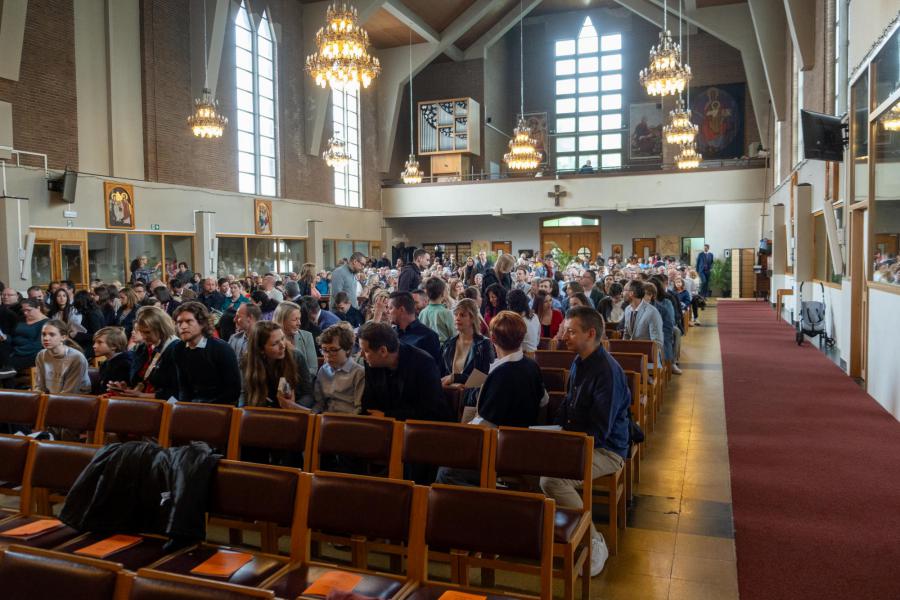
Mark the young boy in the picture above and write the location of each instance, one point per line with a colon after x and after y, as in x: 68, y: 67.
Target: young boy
x: 110, y: 344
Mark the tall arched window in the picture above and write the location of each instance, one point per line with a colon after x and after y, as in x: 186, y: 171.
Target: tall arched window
x: 345, y: 121
x: 589, y: 121
x: 256, y: 104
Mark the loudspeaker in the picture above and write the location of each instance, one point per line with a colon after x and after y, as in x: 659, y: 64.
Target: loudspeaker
x: 65, y: 185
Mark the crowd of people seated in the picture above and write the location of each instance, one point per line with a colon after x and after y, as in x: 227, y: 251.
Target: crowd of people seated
x: 388, y: 341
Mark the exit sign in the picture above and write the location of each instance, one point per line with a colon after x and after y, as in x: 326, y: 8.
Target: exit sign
x: 154, y: 227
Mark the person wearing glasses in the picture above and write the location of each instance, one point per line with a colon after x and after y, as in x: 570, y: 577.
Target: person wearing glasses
x: 343, y: 279
x: 341, y: 381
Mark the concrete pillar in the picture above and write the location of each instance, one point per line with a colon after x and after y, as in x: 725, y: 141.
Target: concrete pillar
x: 314, y: 252
x: 14, y: 224
x: 206, y: 246
x: 126, y: 112
x: 387, y: 234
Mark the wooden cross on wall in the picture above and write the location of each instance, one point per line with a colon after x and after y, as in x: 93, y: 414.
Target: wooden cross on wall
x: 556, y: 194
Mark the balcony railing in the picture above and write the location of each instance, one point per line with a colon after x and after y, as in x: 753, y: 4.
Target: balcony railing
x: 633, y: 169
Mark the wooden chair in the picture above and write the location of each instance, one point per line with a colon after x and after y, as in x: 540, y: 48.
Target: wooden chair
x: 555, y: 380
x: 372, y: 440
x: 148, y: 584
x: 486, y: 528
x: 287, y: 431
x: 71, y: 415
x: 35, y: 573
x: 556, y: 359
x: 455, y: 398
x: 546, y: 343
x: 610, y: 490
x: 452, y: 445
x: 636, y: 362
x: 21, y: 408
x: 195, y: 422
x: 556, y: 400
x: 13, y: 455
x: 51, y: 469
x: 650, y: 349
x: 133, y: 418
x: 633, y: 461
x: 249, y: 497
x: 559, y: 454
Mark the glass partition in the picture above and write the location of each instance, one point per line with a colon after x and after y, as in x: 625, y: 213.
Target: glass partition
x: 179, y: 248
x: 232, y: 260
x: 261, y: 255
x: 886, y: 209
x: 292, y: 255
x: 106, y: 257
x: 344, y: 250
x: 328, y: 254
x: 149, y: 245
x: 886, y: 70
x: 361, y: 247
x: 41, y: 266
x: 860, y: 143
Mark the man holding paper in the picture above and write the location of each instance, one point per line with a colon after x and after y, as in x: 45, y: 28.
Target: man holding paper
x: 596, y: 403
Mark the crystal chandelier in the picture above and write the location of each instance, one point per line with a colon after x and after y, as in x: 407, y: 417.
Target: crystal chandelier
x: 523, y: 154
x: 891, y: 119
x: 335, y: 154
x: 688, y: 158
x: 206, y: 122
x: 665, y: 76
x: 411, y: 174
x: 680, y: 130
x: 342, y: 57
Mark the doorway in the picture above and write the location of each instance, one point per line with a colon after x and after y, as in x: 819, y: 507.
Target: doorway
x: 59, y: 255
x: 499, y: 248
x: 643, y: 247
x: 572, y: 235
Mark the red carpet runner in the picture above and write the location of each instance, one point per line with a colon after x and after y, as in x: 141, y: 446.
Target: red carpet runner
x: 815, y: 468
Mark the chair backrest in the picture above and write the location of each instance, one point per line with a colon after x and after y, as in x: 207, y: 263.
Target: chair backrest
x: 646, y: 347
x: 545, y: 343
x: 210, y: 423
x: 356, y: 505
x: 555, y: 379
x: 33, y: 573
x: 556, y: 400
x: 633, y: 361
x: 156, y: 585
x: 634, y: 383
x: 19, y: 407
x: 455, y: 399
x: 254, y: 493
x: 373, y: 439
x: 70, y: 411
x: 447, y: 445
x: 274, y: 429
x: 13, y: 455
x: 133, y: 417
x: 510, y: 524
x: 558, y: 359
x: 54, y: 466
x: 541, y: 453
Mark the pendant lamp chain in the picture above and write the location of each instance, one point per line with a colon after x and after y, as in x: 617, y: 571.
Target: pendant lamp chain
x: 206, y: 121
x: 411, y: 173
x: 523, y: 154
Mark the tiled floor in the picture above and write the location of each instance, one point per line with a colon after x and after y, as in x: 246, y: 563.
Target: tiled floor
x: 680, y: 538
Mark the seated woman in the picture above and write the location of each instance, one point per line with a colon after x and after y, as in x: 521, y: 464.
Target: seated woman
x: 153, y: 372
x: 466, y: 351
x: 512, y: 394
x: 235, y: 297
x: 550, y: 318
x: 111, y: 345
x: 341, y: 381
x: 128, y: 306
x: 611, y: 306
x: 272, y: 374
x: 25, y: 340
x: 519, y: 304
x: 60, y: 368
x: 494, y: 301
x: 62, y: 309
x: 288, y: 317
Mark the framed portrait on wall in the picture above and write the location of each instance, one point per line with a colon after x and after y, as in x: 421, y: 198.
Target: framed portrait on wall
x: 645, y: 122
x: 262, y: 217
x: 118, y: 204
x: 617, y: 250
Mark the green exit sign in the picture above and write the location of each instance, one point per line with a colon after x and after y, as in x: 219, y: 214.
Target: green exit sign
x: 154, y: 227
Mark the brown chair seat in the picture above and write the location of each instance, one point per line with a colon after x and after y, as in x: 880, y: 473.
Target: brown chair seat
x: 47, y: 540
x: 252, y: 574
x: 433, y: 592
x: 294, y: 582
x: 153, y: 585
x: 27, y: 575
x: 565, y: 522
x: 72, y: 412
x: 136, y: 557
x: 210, y: 423
x: 20, y: 408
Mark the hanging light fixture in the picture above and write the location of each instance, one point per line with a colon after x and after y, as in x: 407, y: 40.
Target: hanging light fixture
x: 411, y: 174
x: 890, y: 120
x: 688, y: 158
x: 680, y: 130
x: 342, y: 56
x: 206, y: 122
x: 665, y: 76
x: 523, y: 154
x: 335, y: 154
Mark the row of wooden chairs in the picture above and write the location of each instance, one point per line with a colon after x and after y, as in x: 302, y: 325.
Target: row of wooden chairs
x: 513, y: 531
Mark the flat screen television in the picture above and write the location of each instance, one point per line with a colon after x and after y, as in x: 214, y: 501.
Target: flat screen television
x: 823, y: 136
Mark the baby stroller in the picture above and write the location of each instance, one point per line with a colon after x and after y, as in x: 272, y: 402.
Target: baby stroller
x: 812, y: 319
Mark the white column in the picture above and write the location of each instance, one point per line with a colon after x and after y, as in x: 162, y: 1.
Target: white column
x: 314, y: 252
x: 14, y: 225
x: 126, y: 112
x: 206, y: 245
x: 92, y: 87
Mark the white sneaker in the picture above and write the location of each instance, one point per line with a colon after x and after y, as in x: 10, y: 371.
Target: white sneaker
x: 599, y: 554
x: 676, y: 369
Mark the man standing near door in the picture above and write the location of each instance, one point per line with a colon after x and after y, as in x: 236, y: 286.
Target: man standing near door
x: 704, y: 266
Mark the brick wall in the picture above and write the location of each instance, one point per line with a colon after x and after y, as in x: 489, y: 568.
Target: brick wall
x: 43, y: 100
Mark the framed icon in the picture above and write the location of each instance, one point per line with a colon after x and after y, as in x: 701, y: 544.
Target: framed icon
x: 118, y: 201
x: 262, y: 212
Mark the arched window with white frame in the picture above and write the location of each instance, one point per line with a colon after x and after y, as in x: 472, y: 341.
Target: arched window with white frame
x: 589, y: 101
x: 257, y: 107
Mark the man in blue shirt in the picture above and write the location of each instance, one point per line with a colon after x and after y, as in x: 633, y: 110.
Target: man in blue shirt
x: 410, y: 330
x: 704, y: 266
x: 597, y: 404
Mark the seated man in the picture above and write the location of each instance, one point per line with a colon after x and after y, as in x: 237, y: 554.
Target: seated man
x: 410, y: 330
x: 345, y: 311
x: 597, y: 404
x: 323, y: 319
x: 402, y: 381
x: 436, y: 316
x: 245, y: 318
x: 207, y: 367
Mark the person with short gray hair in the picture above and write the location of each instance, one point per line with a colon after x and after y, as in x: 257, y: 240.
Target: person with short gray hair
x: 343, y: 279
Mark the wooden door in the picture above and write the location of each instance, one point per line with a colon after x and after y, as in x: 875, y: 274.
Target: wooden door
x: 587, y: 243
x: 643, y: 247
x: 556, y: 238
x: 504, y: 247
x: 71, y: 260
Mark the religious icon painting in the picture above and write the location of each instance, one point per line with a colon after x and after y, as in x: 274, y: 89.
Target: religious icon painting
x: 118, y: 201
x: 718, y: 112
x: 645, y: 129
x: 262, y: 216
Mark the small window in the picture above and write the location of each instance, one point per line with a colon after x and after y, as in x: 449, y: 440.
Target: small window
x: 565, y: 47
x: 570, y: 222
